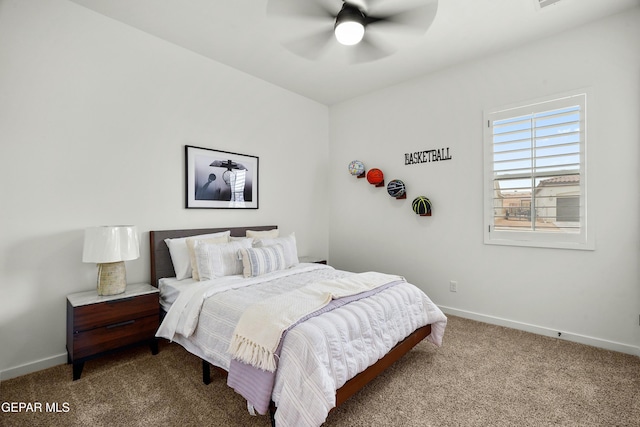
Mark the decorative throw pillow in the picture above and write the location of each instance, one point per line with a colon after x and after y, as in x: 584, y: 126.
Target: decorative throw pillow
x: 263, y: 234
x: 235, y: 239
x: 180, y: 253
x: 288, y: 245
x: 218, y: 260
x: 257, y: 261
x: 191, y: 241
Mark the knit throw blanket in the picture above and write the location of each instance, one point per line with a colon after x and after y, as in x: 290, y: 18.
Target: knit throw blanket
x: 261, y: 326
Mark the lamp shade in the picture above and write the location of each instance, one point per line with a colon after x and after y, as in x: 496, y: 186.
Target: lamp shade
x: 111, y: 244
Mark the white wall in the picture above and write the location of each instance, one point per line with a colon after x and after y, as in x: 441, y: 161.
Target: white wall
x: 589, y: 296
x: 94, y: 116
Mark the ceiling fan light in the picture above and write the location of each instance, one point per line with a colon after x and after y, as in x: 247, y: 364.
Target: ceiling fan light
x: 349, y: 27
x: 349, y: 32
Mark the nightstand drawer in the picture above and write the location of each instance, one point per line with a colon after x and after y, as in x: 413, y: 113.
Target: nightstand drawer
x: 114, y: 335
x: 110, y: 312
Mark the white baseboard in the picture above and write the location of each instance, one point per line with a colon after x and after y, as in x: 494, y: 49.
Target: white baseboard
x: 582, y: 339
x: 38, y: 365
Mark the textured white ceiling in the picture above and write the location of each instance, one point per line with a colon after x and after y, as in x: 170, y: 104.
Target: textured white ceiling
x: 241, y: 34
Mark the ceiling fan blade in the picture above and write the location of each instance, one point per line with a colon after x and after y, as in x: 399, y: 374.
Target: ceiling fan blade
x: 312, y: 46
x: 310, y: 9
x: 306, y: 28
x: 417, y: 19
x: 369, y: 49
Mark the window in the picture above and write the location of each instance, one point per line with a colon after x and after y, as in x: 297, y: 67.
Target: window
x: 535, y: 174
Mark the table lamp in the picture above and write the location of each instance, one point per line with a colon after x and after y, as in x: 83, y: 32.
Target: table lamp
x: 109, y: 247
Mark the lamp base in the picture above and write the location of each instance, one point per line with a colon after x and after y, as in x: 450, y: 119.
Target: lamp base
x: 112, y: 278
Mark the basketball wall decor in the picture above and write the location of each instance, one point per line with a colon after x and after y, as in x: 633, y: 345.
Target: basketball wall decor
x: 421, y: 206
x: 375, y: 177
x: 427, y: 156
x: 397, y: 189
x: 356, y: 168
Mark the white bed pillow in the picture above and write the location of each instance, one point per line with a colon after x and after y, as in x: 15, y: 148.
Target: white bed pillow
x: 180, y: 253
x: 257, y: 261
x: 218, y: 260
x: 236, y: 239
x: 263, y: 234
x: 288, y: 245
x: 191, y: 242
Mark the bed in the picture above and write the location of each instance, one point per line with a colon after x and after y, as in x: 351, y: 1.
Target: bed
x: 201, y: 337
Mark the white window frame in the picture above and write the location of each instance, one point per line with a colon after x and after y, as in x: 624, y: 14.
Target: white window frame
x: 584, y: 238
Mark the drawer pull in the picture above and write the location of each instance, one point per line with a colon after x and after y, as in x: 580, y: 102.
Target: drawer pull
x: 120, y: 300
x: 116, y: 325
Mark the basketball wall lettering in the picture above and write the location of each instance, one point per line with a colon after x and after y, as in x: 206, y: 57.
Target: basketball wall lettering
x: 427, y: 156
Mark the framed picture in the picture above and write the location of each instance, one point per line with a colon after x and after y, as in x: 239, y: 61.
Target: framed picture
x: 220, y: 179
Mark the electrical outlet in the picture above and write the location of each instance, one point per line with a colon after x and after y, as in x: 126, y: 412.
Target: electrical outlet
x: 453, y: 286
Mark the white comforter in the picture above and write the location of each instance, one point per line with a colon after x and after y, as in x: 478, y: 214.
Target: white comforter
x: 318, y: 356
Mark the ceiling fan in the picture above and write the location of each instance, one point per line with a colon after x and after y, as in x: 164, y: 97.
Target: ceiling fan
x: 361, y: 30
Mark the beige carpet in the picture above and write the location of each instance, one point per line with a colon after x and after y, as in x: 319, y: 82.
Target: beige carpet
x: 483, y: 375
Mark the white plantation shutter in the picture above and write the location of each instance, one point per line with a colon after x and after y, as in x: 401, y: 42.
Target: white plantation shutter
x: 535, y: 174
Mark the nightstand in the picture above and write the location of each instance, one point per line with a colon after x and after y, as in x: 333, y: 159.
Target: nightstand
x: 100, y: 324
x: 316, y: 260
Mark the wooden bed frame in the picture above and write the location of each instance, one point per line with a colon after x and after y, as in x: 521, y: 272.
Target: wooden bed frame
x: 161, y: 266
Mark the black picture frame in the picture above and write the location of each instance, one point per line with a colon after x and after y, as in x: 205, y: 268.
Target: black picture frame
x: 218, y: 179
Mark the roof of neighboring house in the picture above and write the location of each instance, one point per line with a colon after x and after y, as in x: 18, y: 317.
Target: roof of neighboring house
x: 550, y: 182
x: 560, y: 180
x: 515, y: 194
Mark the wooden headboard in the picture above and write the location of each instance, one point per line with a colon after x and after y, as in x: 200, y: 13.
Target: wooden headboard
x: 161, y: 265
